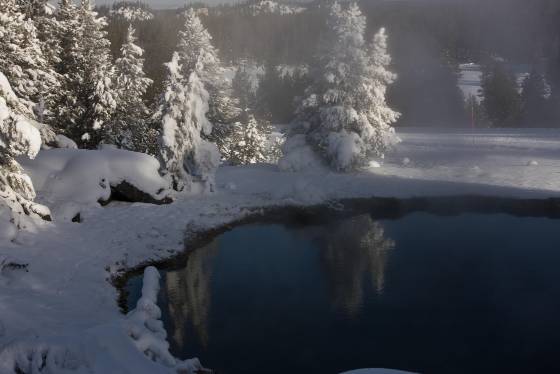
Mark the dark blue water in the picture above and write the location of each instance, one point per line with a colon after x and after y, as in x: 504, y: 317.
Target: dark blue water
x: 465, y: 294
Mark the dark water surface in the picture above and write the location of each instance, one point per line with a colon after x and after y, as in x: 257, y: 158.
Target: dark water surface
x: 465, y: 294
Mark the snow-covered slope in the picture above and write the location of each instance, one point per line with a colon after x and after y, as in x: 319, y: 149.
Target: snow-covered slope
x: 65, y: 298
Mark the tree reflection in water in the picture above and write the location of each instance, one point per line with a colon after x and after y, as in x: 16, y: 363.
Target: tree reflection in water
x: 189, y: 294
x: 354, y: 250
x: 352, y: 255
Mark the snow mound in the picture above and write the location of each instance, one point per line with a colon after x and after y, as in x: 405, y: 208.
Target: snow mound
x: 71, y: 180
x: 134, y: 345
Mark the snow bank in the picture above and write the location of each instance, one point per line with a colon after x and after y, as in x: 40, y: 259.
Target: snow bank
x: 146, y: 328
x: 132, y: 345
x: 71, y: 180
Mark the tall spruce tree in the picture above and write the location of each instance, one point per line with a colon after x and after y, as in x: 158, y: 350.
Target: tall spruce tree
x: 87, y: 99
x: 535, y: 104
x: 21, y: 56
x: 186, y: 156
x: 501, y: 99
x: 344, y: 115
x: 129, y: 128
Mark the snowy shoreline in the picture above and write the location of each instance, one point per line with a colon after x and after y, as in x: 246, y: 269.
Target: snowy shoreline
x: 66, y: 302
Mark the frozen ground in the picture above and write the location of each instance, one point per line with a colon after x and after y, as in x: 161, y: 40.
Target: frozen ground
x: 65, y: 308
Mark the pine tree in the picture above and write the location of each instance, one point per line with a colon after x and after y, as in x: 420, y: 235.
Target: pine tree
x: 129, y: 127
x: 243, y: 89
x: 195, y: 44
x: 17, y: 138
x: 87, y: 99
x: 535, y: 109
x: 43, y: 16
x: 249, y: 142
x: 345, y: 116
x: 501, y: 99
x: 21, y: 56
x: 185, y: 153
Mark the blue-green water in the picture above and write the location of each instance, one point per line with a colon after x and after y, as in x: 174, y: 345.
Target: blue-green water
x: 464, y: 294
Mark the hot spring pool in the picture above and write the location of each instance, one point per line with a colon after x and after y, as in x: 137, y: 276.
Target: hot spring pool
x: 473, y: 293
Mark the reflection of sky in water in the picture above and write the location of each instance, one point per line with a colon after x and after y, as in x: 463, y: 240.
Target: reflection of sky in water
x: 422, y: 293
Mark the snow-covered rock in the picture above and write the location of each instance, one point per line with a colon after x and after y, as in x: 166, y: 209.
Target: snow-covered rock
x: 71, y: 180
x: 533, y: 163
x: 65, y: 142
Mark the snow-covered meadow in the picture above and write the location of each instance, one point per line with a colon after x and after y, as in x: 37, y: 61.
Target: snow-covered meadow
x: 60, y: 303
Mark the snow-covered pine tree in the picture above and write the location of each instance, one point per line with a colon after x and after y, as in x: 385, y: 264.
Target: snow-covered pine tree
x: 87, y: 99
x: 243, y: 87
x: 17, y: 138
x: 223, y: 105
x: 501, y: 99
x: 185, y: 153
x: 129, y: 127
x: 21, y: 56
x: 48, y: 29
x: 249, y: 142
x: 344, y: 115
x: 186, y: 157
x: 535, y: 105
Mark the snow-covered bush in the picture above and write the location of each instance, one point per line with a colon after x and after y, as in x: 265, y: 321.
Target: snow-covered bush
x: 345, y: 116
x: 17, y: 138
x: 186, y: 156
